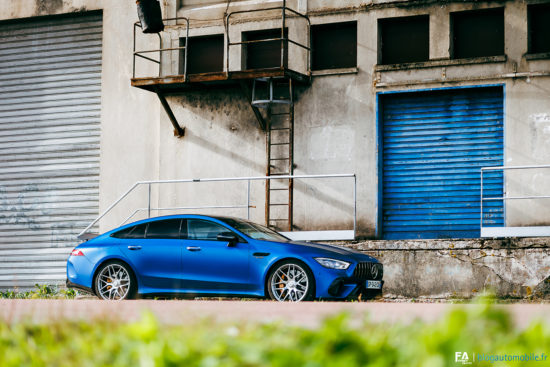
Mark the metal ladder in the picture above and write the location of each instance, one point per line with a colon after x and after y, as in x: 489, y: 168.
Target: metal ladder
x: 280, y: 161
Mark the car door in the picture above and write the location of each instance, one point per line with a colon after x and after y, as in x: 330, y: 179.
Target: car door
x: 154, y: 251
x: 210, y: 265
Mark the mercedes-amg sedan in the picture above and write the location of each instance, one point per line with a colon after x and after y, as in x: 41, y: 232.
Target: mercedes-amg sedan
x: 195, y: 255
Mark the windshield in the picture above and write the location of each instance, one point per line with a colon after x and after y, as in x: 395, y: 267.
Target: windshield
x: 255, y: 231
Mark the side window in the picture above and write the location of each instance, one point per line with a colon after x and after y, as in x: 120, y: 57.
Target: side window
x: 167, y: 229
x: 204, y: 230
x: 131, y: 232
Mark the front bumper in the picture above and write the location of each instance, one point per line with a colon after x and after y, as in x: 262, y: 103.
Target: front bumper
x: 349, y: 283
x: 351, y: 288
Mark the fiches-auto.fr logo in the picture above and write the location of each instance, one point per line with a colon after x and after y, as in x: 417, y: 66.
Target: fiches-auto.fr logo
x: 462, y: 358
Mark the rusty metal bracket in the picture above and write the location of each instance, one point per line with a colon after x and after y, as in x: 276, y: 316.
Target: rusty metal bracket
x: 248, y: 93
x: 178, y: 130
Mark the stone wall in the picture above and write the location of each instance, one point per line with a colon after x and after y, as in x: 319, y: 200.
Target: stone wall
x: 463, y: 268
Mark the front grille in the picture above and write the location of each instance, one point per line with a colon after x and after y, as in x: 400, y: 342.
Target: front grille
x: 369, y: 271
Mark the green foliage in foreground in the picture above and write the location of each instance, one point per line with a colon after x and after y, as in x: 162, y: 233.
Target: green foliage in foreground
x: 41, y: 291
x: 339, y: 341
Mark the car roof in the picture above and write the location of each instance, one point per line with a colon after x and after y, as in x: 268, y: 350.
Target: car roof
x: 176, y: 216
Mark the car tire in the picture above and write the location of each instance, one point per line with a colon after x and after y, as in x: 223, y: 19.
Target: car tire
x: 291, y: 281
x: 115, y: 280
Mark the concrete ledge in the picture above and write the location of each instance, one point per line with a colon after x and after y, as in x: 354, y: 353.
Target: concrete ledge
x: 463, y: 268
x: 440, y: 63
x: 464, y: 244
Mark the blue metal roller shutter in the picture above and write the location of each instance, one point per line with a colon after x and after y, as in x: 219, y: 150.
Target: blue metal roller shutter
x: 434, y: 144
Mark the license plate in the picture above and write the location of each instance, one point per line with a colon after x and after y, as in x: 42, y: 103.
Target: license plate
x: 374, y: 284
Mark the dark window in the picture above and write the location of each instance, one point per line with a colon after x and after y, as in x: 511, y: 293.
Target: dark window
x: 404, y: 39
x: 131, y: 232
x: 205, y: 54
x: 334, y: 45
x: 477, y: 33
x: 204, y: 230
x: 123, y: 233
x: 167, y: 229
x: 266, y: 54
x: 539, y: 28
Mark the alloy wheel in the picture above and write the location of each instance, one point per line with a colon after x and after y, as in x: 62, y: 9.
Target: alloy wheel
x: 113, y: 282
x: 289, y: 282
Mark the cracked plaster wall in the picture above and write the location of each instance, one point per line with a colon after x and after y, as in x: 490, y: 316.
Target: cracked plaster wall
x: 463, y: 268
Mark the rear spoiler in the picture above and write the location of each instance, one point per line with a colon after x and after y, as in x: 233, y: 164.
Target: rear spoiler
x: 87, y: 236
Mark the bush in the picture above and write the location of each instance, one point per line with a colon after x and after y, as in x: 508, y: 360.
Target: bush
x: 41, y: 291
x: 339, y: 341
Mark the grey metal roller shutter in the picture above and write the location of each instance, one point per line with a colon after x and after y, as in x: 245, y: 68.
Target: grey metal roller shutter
x: 50, y: 85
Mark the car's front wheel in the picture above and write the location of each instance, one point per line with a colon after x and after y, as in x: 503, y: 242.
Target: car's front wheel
x: 290, y: 281
x: 115, y: 281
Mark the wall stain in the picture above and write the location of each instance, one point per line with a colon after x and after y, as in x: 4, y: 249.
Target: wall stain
x: 45, y: 7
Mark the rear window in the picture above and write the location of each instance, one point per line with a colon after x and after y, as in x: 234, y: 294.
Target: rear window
x: 131, y: 232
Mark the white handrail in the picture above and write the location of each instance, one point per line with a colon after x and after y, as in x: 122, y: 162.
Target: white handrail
x: 518, y: 230
x: 225, y: 179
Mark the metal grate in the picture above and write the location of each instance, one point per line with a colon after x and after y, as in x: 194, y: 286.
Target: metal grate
x: 369, y: 270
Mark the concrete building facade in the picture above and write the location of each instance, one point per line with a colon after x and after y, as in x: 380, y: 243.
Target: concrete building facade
x: 413, y: 97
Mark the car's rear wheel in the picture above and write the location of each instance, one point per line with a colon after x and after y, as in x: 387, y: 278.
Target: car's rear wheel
x: 115, y: 281
x: 290, y: 281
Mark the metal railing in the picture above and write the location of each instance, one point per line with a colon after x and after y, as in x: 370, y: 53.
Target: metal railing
x: 160, y: 49
x: 246, y: 205
x: 284, y: 39
x: 505, y: 231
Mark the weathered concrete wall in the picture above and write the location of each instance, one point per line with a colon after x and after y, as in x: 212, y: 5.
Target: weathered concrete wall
x: 130, y: 117
x: 335, y: 121
x: 222, y: 139
x: 335, y: 118
x: 444, y: 269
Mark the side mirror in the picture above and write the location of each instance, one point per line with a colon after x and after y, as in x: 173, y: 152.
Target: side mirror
x: 228, y: 237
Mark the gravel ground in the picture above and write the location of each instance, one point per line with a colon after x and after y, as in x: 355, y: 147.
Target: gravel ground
x: 307, y: 314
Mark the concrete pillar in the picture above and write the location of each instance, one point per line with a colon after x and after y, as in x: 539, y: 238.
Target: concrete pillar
x: 439, y: 33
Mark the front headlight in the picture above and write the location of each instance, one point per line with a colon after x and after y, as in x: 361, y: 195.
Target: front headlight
x: 332, y: 263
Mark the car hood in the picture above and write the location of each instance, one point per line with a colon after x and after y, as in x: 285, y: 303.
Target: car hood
x: 356, y: 255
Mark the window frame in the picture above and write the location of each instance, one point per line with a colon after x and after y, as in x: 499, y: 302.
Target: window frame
x: 239, y: 237
x: 452, y: 29
x: 530, y: 9
x: 189, y: 51
x: 131, y: 229
x: 334, y: 26
x: 381, y: 24
x: 245, y: 47
x: 163, y: 220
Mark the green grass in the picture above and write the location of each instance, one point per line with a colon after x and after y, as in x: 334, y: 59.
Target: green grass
x: 41, y: 291
x: 339, y: 342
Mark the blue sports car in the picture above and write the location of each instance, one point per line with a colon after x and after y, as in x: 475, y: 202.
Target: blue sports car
x: 196, y: 255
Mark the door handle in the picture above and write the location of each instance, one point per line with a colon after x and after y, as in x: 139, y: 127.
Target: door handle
x: 134, y: 247
x: 193, y: 248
